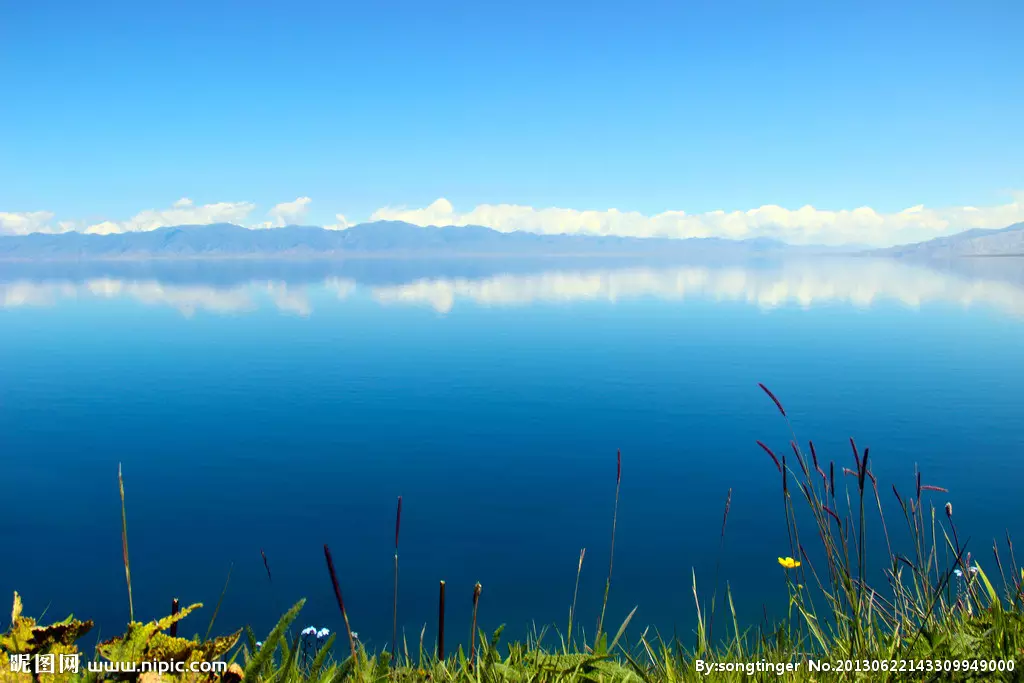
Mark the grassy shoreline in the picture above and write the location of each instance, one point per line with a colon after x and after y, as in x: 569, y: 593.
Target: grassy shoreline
x: 933, y: 614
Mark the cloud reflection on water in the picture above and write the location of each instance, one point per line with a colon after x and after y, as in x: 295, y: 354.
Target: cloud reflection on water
x: 858, y: 282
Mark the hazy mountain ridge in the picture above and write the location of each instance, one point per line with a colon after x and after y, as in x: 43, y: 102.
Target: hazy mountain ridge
x: 1008, y: 241
x: 225, y: 240
x: 392, y: 238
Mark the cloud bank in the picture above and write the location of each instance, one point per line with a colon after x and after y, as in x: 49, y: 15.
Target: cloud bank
x: 31, y: 221
x: 182, y: 212
x: 806, y: 225
x: 286, y: 213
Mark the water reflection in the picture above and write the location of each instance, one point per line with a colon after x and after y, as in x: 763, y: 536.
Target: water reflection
x: 294, y: 288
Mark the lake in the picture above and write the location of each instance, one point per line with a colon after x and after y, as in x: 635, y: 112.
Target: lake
x: 278, y: 407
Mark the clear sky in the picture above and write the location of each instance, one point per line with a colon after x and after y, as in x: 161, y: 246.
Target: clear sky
x: 110, y: 109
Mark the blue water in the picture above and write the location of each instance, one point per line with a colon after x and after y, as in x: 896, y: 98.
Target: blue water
x: 280, y: 415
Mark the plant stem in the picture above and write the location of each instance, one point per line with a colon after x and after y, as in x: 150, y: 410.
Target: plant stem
x: 575, y: 593
x: 440, y: 625
x: 394, y: 617
x: 472, y: 638
x: 124, y: 545
x: 341, y: 603
x: 611, y: 557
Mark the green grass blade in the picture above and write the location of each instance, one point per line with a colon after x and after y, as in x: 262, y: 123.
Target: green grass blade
x: 622, y: 629
x: 264, y: 655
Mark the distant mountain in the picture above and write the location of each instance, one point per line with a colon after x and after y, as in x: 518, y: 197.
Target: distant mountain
x: 397, y: 239
x: 384, y: 238
x: 976, y: 242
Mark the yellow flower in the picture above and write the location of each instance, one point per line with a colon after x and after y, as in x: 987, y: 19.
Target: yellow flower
x: 789, y: 562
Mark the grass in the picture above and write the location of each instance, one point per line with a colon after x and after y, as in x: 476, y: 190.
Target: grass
x: 932, y: 614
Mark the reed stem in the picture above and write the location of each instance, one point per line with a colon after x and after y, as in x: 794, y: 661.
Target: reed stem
x: 394, y: 616
x: 341, y: 603
x: 124, y: 545
x: 575, y: 593
x: 718, y: 563
x: 220, y: 600
x: 440, y: 625
x: 472, y: 638
x: 611, y: 557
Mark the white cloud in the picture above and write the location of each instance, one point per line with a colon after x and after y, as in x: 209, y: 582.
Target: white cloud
x: 806, y: 225
x: 105, y: 228
x: 31, y: 221
x: 342, y: 224
x: 289, y: 213
x: 182, y: 212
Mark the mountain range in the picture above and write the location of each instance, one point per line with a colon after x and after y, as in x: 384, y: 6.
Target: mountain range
x: 382, y: 238
x: 396, y: 239
x: 1007, y: 241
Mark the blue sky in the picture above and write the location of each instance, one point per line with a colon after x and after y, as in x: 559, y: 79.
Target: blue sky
x: 113, y: 108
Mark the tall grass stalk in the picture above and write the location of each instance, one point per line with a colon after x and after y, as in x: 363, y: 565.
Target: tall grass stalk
x: 220, y: 600
x: 341, y: 603
x: 575, y: 593
x: 611, y: 554
x: 718, y: 563
x: 124, y: 545
x: 440, y: 624
x: 394, y: 614
x: 472, y: 637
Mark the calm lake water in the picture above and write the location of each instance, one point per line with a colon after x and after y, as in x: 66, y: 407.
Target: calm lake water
x: 281, y: 407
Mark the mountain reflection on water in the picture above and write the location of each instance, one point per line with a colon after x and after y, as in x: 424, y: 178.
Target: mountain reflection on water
x: 299, y: 287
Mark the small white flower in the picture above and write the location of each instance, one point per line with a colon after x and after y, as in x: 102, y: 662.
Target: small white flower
x: 309, y: 631
x: 355, y: 636
x: 958, y: 573
x: 323, y: 633
x: 975, y: 569
x: 259, y: 644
